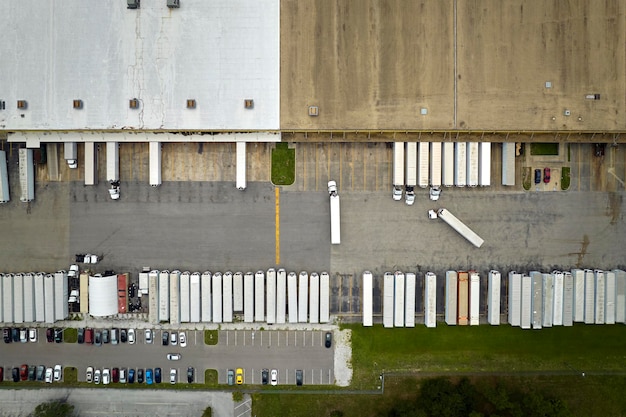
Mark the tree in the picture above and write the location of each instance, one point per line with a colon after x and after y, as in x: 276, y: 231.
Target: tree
x: 59, y: 408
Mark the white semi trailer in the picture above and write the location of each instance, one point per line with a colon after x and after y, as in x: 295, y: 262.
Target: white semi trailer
x: 447, y: 164
x: 451, y: 298
x: 472, y: 164
x: 91, y: 163
x: 568, y: 299
x: 460, y: 227
x: 398, y: 170
x: 435, y: 164
x: 238, y: 292
x: 620, y: 295
x: 259, y: 296
x: 609, y: 298
x: 537, y: 299
x: 248, y: 297
x: 590, y: 297
x: 241, y: 166
x: 423, y: 164
x: 527, y: 302
x: 216, y: 291
x: 515, y: 299
x: 430, y: 300
x: 409, y: 303
x: 548, y: 300
x: 227, y: 297
x: 460, y: 164
x: 600, y: 290
x: 5, y: 195
x: 508, y: 164
x: 557, y: 307
x: 474, y: 299
x: 335, y: 214
x: 207, y: 309
x: 303, y: 297
x: 292, y: 297
x: 185, y: 282
x: 70, y: 153
x: 411, y: 172
x: 155, y: 164
x: 578, y: 276
x: 399, y: 287
x: 175, y: 297
x: 388, y: 294
x: 314, y: 298
x: 271, y: 295
x: 281, y: 296
x: 324, y: 297
x: 368, y: 299
x: 194, y: 297
x: 27, y: 175
x: 493, y: 298
x: 484, y: 170
x: 113, y: 169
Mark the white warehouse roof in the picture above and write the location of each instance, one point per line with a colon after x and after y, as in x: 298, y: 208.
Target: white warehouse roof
x: 102, y: 295
x: 218, y: 53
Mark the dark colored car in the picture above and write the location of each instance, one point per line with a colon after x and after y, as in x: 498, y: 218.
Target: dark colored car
x: 98, y: 338
x: 105, y: 336
x: 24, y: 372
x: 81, y: 335
x: 16, y: 374
x: 546, y: 175
x: 265, y: 376
x: 7, y: 335
x: 1, y: 373
x: 537, y: 176
x: 132, y: 290
x: 41, y: 371
x: 123, y: 336
x: 32, y: 373
x: 328, y: 340
x: 299, y: 377
x: 157, y: 375
x: 190, y: 375
x: 58, y: 335
x: 50, y: 335
x: 15, y: 334
x: 131, y: 376
x: 140, y: 376
x: 115, y: 375
x: 166, y: 338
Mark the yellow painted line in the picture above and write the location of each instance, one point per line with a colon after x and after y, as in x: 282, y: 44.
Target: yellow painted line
x: 277, y: 194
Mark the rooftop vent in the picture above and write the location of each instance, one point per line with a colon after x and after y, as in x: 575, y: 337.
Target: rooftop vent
x: 314, y: 111
x: 173, y: 4
x: 21, y: 104
x: 191, y: 103
x: 132, y: 4
x: 78, y: 104
x: 133, y: 103
x: 248, y: 103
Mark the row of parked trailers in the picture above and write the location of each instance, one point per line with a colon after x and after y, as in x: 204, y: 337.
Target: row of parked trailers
x: 33, y: 297
x: 535, y: 300
x: 272, y: 296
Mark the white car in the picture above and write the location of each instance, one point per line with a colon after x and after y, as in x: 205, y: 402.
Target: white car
x: 48, y: 377
x: 148, y: 336
x: 123, y: 376
x: 182, y: 339
x: 58, y: 372
x: 274, y: 377
x: 106, y: 376
x: 32, y: 335
x: 131, y: 336
x: 96, y: 376
x: 173, y: 356
x: 172, y: 376
x: 23, y: 335
x: 173, y: 338
x: 89, y: 376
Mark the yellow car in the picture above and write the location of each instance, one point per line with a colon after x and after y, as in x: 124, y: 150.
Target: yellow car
x: 239, y: 376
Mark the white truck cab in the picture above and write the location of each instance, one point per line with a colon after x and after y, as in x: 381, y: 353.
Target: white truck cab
x: 435, y: 193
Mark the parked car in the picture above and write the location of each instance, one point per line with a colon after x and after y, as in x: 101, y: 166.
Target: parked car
x: 48, y: 377
x: 149, y: 374
x: 132, y: 290
x: 97, y: 376
x: 140, y: 376
x: 329, y: 339
x: 24, y: 372
x: 58, y: 372
x: 231, y: 377
x: 166, y: 338
x: 239, y: 376
x: 98, y: 338
x: 50, y: 334
x: 274, y: 377
x: 81, y: 335
x: 123, y: 337
x: 265, y: 376
x: 105, y: 336
x: 89, y: 375
x: 182, y: 339
x: 173, y: 356
x: 89, y: 335
x: 41, y: 371
x: 6, y: 333
x: 115, y: 375
x: 106, y: 376
x: 157, y: 375
x: 546, y: 175
x: 173, y: 339
x: 190, y: 375
x: 32, y: 335
x: 131, y: 376
x: 58, y: 335
x: 15, y: 374
x: 131, y: 336
x: 1, y: 373
x: 15, y: 334
x: 32, y: 372
x: 537, y: 176
x: 148, y: 336
x: 299, y: 377
x: 115, y: 333
x: 172, y: 376
x: 123, y: 375
x: 23, y: 335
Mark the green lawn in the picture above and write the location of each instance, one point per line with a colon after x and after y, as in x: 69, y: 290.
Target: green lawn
x: 544, y: 148
x: 283, y: 164
x: 565, y: 178
x: 210, y: 337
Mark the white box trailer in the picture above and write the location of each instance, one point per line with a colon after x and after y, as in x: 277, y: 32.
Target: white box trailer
x: 399, y: 286
x: 216, y: 290
x: 548, y: 300
x: 238, y: 292
x: 590, y: 297
x: 435, y: 164
x: 175, y: 297
x: 335, y: 214
x: 195, y: 293
x: 388, y: 295
x: 18, y: 298
x: 430, y: 300
x: 153, y: 297
x: 70, y: 154
x: 48, y: 289
x: 527, y: 302
x: 7, y: 298
x: 241, y: 166
x: 29, y: 298
x: 27, y: 175
x: 185, y: 312
x: 144, y: 282
x: 409, y: 303
x: 493, y: 298
x: 578, y: 276
x: 292, y: 297
x: 61, y: 294
x: 411, y: 172
x: 5, y: 195
x: 557, y: 307
x: 155, y: 163
x: 271, y: 295
x: 599, y: 290
x: 40, y: 299
x: 314, y: 298
x: 227, y: 297
x: 398, y: 170
x: 206, y: 309
x: 303, y: 297
x: 484, y: 171
x: 91, y: 163
x: 113, y: 162
x: 259, y: 296
x: 472, y: 164
x: 537, y: 299
x: 474, y: 299
x: 462, y: 309
x: 248, y: 297
x: 368, y: 299
x: 281, y: 296
x: 447, y: 164
x: 508, y: 163
x: 451, y: 298
x: 568, y: 299
x: 620, y: 295
x: 460, y: 164
x: 515, y: 299
x: 609, y: 297
x: 460, y: 227
x: 423, y: 164
x: 324, y: 297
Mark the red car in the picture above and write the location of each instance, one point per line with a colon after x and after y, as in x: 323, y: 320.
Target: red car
x: 546, y: 175
x: 115, y: 375
x: 24, y: 372
x: 1, y: 373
